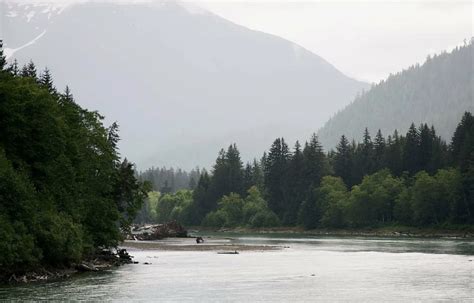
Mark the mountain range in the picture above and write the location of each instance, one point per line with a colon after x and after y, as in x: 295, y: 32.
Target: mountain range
x: 181, y: 81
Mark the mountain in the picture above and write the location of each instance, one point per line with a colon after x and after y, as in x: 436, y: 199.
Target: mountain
x: 437, y: 92
x: 181, y: 81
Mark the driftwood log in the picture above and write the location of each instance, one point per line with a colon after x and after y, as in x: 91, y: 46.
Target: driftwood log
x: 158, y: 231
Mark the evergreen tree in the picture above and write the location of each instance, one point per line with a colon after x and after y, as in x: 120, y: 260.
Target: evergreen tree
x: 462, y: 153
x: 192, y: 183
x: 68, y: 95
x: 235, y: 170
x: 297, y: 185
x: 257, y: 175
x: 343, y: 161
x: 14, y: 69
x: 425, y: 150
x: 394, y: 153
x: 379, y: 151
x: 315, y: 162
x: 227, y: 174
x: 411, y: 150
x: 363, y: 158
x: 462, y: 144
x: 201, y: 197
x: 29, y: 70
x: 248, y: 179
x: 276, y: 168
x: 46, y: 80
x: 3, y: 60
x: 64, y: 191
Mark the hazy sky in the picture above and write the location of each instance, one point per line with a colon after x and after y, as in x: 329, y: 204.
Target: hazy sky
x: 367, y: 40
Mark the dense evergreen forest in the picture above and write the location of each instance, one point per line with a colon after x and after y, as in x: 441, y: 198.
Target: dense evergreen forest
x: 166, y: 180
x: 436, y: 92
x: 64, y: 191
x: 414, y: 179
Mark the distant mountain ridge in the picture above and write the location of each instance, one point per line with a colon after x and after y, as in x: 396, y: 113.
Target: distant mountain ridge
x: 437, y: 92
x: 181, y: 82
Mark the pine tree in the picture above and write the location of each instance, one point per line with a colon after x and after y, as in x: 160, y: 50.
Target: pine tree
x: 257, y: 174
x: 276, y: 169
x: 29, y: 70
x: 46, y: 81
x: 67, y: 95
x: 192, y: 183
x: 425, y: 149
x: 379, y: 151
x: 315, y: 162
x: 3, y: 59
x: 235, y: 170
x: 343, y: 161
x: 394, y: 153
x: 248, y: 179
x: 462, y: 143
x: 363, y: 158
x: 297, y: 185
x: 201, y: 197
x: 411, y: 150
x: 14, y: 69
x: 439, y: 154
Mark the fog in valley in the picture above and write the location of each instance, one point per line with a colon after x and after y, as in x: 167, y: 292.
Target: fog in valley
x: 184, y: 79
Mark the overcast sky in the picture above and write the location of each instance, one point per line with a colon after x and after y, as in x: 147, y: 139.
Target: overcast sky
x: 367, y: 40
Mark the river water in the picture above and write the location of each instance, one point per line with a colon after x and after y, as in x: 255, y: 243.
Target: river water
x: 306, y: 269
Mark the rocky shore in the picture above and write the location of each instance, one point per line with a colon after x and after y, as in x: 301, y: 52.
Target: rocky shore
x: 101, y: 260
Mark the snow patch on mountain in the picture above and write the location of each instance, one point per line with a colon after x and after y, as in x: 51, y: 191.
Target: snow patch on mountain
x: 10, y: 51
x: 30, y: 16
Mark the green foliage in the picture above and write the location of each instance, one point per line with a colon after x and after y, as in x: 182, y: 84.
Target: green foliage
x: 332, y: 201
x: 435, y: 199
x: 372, y: 201
x: 177, y: 206
x: 63, y: 189
x: 234, y: 211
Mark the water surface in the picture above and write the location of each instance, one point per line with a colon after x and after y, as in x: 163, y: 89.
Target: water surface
x: 306, y: 269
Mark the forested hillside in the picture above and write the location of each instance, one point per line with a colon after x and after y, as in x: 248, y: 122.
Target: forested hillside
x: 437, y: 93
x: 64, y: 190
x: 414, y: 179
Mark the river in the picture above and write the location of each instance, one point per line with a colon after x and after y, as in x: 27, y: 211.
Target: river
x: 304, y: 269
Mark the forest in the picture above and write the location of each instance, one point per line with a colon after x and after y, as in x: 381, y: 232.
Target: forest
x: 436, y: 92
x: 64, y: 191
x: 166, y: 180
x: 415, y: 179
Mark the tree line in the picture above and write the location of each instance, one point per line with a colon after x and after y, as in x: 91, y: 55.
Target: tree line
x: 413, y: 179
x: 170, y: 180
x: 64, y: 190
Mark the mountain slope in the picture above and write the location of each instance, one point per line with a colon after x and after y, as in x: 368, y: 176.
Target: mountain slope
x: 437, y: 92
x: 181, y: 82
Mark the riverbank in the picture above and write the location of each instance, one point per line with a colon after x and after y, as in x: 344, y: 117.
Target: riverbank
x: 100, y: 261
x: 465, y: 232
